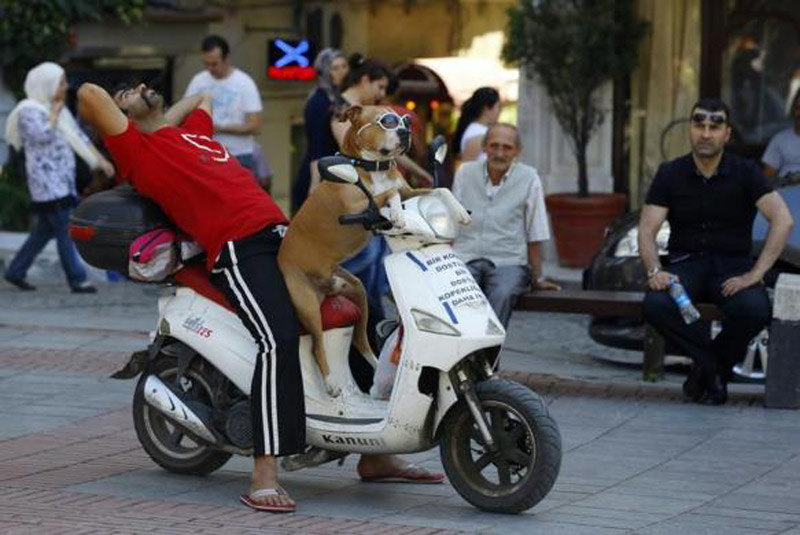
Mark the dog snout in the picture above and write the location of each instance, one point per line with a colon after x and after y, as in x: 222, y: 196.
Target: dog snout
x: 405, y: 138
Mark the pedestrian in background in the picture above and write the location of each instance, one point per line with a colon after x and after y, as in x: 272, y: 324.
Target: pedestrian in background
x: 502, y: 245
x: 332, y: 68
x: 44, y: 128
x: 478, y: 113
x: 782, y: 157
x: 237, y: 102
x: 366, y: 85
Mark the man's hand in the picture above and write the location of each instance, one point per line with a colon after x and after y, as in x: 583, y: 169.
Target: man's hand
x: 55, y: 111
x: 661, y: 280
x: 736, y: 284
x: 545, y: 284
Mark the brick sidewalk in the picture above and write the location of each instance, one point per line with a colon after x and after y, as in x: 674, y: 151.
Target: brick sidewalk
x: 36, y: 471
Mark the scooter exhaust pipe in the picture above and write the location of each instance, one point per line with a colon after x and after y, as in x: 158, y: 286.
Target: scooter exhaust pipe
x: 163, y: 399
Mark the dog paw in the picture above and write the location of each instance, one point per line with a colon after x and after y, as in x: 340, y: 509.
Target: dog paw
x: 463, y: 216
x: 398, y: 219
x: 333, y: 389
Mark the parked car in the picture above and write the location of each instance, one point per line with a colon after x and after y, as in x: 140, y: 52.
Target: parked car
x: 618, y: 267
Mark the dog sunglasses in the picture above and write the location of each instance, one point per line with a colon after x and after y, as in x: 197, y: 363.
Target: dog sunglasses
x: 699, y: 117
x: 390, y: 122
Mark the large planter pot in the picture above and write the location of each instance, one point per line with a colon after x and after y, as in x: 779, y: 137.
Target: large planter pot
x: 579, y: 224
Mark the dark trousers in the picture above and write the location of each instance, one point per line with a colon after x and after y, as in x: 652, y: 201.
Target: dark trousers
x: 502, y: 285
x: 51, y: 222
x: 247, y: 271
x: 746, y: 313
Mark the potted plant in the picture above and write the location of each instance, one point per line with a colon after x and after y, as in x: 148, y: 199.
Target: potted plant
x: 572, y: 48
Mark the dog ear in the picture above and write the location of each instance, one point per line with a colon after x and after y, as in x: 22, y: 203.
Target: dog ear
x: 351, y: 114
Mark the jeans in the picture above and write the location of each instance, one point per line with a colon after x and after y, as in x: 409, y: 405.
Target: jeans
x: 746, y: 313
x: 367, y: 265
x: 501, y: 284
x: 52, y: 222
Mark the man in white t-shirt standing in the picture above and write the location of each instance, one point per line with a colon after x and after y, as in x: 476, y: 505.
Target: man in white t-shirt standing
x: 237, y: 102
x: 502, y: 245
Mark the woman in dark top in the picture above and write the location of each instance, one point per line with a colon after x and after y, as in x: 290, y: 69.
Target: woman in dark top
x: 332, y: 67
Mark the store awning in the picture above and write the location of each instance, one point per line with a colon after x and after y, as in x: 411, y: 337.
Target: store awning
x: 463, y: 75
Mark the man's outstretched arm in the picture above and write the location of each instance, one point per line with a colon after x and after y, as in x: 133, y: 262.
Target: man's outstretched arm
x: 177, y: 112
x: 97, y: 108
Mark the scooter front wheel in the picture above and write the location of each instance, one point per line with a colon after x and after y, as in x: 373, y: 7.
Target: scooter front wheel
x: 522, y: 469
x: 168, y: 445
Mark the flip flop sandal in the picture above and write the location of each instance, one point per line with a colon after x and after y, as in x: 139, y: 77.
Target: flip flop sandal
x: 252, y: 500
x: 412, y: 474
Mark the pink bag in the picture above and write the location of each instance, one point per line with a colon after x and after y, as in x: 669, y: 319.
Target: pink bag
x: 154, y: 255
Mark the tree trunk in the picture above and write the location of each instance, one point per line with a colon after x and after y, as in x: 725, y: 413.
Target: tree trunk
x: 583, y: 174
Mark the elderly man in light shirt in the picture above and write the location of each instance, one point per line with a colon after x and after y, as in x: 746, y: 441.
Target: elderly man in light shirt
x: 502, y: 245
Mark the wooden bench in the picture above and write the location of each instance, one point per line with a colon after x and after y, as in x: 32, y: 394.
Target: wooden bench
x: 610, y: 303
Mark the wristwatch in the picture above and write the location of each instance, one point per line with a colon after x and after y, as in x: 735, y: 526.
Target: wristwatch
x: 652, y: 272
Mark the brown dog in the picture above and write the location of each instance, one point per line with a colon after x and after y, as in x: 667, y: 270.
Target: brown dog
x: 316, y: 244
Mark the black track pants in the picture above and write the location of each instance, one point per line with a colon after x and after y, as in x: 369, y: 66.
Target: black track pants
x: 247, y: 271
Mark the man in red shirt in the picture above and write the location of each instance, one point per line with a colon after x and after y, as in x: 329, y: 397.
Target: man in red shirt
x: 205, y: 191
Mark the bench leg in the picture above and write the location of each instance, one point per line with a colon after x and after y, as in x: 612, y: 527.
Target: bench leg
x: 654, y: 347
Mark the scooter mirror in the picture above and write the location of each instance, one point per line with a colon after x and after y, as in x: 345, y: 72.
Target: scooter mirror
x: 337, y: 169
x: 439, y: 149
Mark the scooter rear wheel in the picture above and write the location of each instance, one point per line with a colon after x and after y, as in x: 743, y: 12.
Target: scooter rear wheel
x: 528, y: 458
x: 167, y: 444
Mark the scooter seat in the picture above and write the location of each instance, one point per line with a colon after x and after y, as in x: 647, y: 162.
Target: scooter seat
x: 337, y: 310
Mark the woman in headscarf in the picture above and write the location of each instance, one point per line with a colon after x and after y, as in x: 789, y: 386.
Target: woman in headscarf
x: 50, y: 136
x: 332, y: 67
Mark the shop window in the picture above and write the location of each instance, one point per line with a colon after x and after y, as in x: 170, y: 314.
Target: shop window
x: 760, y: 71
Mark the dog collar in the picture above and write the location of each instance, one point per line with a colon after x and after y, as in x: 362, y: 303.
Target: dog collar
x: 369, y: 166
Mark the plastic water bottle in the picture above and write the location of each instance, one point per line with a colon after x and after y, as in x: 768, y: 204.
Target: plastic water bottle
x: 688, y: 311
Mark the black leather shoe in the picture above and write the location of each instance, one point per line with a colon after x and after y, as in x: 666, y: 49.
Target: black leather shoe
x: 84, y: 288
x: 716, y: 391
x: 22, y: 284
x: 694, y: 385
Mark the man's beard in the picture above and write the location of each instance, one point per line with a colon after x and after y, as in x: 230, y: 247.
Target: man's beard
x: 150, y: 98
x: 706, y: 151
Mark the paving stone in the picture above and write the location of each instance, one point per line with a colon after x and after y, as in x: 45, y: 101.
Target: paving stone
x: 646, y: 504
x: 679, y: 526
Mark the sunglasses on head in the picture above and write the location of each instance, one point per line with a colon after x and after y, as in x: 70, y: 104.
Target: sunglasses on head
x: 390, y: 122
x: 717, y: 118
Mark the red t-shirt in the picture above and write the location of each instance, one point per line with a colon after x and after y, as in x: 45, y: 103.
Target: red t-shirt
x: 193, y: 178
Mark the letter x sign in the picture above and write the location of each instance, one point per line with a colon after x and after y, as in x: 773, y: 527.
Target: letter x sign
x: 292, y: 54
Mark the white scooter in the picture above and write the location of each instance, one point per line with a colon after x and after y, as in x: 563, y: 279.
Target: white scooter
x: 500, y: 448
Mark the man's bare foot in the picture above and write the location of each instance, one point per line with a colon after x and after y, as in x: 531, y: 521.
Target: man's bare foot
x: 265, y: 493
x: 391, y: 468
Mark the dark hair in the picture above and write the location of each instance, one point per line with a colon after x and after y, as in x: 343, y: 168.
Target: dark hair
x: 794, y: 102
x: 482, y: 98
x: 712, y: 104
x: 361, y: 66
x: 393, y: 86
x: 215, y: 41
x: 122, y: 86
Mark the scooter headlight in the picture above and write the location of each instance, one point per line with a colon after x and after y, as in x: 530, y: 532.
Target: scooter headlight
x: 628, y: 246
x: 431, y: 324
x: 436, y: 214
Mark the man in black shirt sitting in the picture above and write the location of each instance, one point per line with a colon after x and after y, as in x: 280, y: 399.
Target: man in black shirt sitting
x: 710, y: 199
